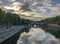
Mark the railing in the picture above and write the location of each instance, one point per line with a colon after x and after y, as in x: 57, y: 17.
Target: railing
x: 10, y: 32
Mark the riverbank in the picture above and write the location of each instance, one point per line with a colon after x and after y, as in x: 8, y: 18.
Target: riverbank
x: 10, y: 32
x: 13, y: 39
x: 12, y: 35
x: 53, y: 29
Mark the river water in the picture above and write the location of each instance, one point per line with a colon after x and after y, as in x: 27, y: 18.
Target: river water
x: 37, y: 36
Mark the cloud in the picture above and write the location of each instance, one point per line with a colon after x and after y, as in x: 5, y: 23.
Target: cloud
x: 16, y: 6
x: 13, y: 0
x: 57, y: 5
x: 35, y: 3
x: 5, y: 2
x: 47, y: 3
x: 49, y: 11
x: 47, y: 7
x: 0, y: 1
x: 37, y: 36
x: 27, y: 0
x: 54, y: 10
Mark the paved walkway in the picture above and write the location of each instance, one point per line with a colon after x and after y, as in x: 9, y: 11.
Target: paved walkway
x: 10, y: 32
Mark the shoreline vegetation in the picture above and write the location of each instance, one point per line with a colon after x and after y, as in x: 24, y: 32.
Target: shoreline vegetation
x: 7, y: 20
x: 53, y: 26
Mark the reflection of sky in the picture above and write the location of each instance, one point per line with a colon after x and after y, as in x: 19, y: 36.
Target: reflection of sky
x: 55, y: 2
x: 47, y: 7
x: 37, y: 36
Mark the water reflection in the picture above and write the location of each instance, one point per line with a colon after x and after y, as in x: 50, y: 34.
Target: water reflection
x: 37, y: 36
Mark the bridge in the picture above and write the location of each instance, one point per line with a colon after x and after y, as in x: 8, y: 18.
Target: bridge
x: 38, y: 24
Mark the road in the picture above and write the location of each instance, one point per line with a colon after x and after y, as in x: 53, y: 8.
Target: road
x: 10, y: 32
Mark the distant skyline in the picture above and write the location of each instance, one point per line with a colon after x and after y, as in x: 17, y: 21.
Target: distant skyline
x: 47, y: 7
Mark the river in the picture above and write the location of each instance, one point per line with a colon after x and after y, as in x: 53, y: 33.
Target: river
x: 37, y: 36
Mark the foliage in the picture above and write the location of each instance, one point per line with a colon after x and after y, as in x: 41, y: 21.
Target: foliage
x: 55, y: 30
x: 53, y: 20
x: 13, y: 19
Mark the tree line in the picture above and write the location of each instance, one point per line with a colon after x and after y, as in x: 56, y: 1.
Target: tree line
x: 53, y: 20
x: 51, y: 29
x: 9, y: 19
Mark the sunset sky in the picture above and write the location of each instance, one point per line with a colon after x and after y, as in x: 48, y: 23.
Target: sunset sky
x: 47, y: 7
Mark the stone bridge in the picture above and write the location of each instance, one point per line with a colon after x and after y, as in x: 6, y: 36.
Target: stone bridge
x: 37, y: 24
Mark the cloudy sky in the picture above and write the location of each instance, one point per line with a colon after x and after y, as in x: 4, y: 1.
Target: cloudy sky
x: 47, y: 7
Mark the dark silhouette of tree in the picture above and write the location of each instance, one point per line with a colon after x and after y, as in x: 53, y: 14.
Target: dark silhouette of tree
x: 9, y: 19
